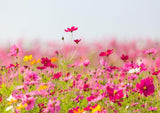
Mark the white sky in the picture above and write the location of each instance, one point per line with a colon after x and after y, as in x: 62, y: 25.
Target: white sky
x: 47, y: 19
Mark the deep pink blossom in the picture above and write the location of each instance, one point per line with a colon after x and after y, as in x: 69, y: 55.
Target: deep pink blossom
x: 77, y: 41
x: 57, y: 75
x: 107, y: 53
x: 124, y: 57
x: 114, y: 94
x: 146, y: 86
x: 73, y: 28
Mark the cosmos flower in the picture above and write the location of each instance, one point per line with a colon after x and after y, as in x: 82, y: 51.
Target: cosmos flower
x: 15, y: 50
x: 30, y: 101
x: 57, y: 75
x: 53, y: 106
x: 146, y: 86
x: 113, y: 94
x: 73, y: 28
x: 31, y: 76
x: 77, y: 41
x: 27, y: 58
x: 150, y: 51
x: 124, y: 57
x: 152, y: 108
x: 107, y: 53
x: 136, y: 70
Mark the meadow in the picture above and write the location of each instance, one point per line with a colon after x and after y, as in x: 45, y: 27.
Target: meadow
x: 99, y: 77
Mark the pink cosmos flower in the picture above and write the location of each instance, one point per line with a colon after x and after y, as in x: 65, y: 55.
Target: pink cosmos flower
x: 152, y: 108
x: 30, y: 101
x: 150, y: 51
x: 53, y: 106
x: 86, y: 63
x: 146, y: 86
x: 31, y: 76
x: 15, y: 50
x: 73, y: 28
x: 77, y: 41
x: 107, y: 53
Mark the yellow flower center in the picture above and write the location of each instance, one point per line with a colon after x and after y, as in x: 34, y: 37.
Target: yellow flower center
x: 145, y: 88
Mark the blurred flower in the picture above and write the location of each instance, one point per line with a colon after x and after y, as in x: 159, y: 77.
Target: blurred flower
x: 42, y: 87
x: 136, y: 70
x: 11, y: 100
x: 96, y: 108
x: 30, y: 101
x: 150, y: 51
x: 57, y: 75
x: 124, y: 57
x: 27, y: 58
x: 15, y: 50
x: 86, y: 63
x: 21, y: 106
x: 152, y: 108
x: 54, y: 59
x: 107, y: 53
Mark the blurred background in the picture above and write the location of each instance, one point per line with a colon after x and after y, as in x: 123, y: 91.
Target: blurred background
x: 46, y: 20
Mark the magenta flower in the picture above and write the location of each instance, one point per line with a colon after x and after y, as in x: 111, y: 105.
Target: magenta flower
x: 107, y: 53
x: 30, y: 101
x: 15, y: 50
x: 146, y: 86
x: 73, y: 28
x: 46, y: 62
x: 77, y: 41
x: 57, y: 75
x: 124, y: 57
x: 114, y: 95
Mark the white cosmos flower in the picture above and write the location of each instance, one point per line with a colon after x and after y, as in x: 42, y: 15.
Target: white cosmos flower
x: 136, y: 70
x: 10, y: 108
x: 10, y: 98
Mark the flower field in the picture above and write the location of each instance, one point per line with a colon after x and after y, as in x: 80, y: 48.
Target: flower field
x: 101, y: 77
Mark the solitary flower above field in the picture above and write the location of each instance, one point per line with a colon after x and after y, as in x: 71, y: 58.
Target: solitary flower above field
x: 73, y: 28
x: 146, y: 86
x: 106, y: 53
